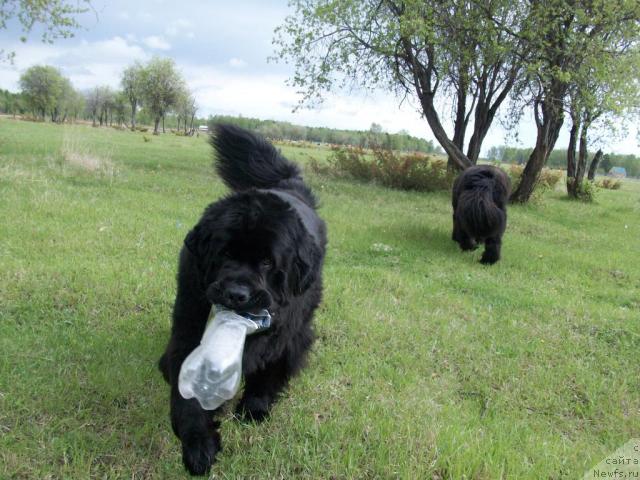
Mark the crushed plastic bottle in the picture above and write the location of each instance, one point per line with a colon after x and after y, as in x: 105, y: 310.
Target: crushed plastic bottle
x: 212, y: 371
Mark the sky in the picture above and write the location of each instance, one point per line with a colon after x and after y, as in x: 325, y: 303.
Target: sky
x: 222, y: 49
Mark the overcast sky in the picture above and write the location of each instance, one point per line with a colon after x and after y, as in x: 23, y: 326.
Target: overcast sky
x: 221, y: 48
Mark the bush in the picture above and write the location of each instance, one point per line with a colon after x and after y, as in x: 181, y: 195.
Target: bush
x: 414, y: 171
x: 610, y: 184
x: 587, y: 191
x: 142, y: 129
x: 547, y: 180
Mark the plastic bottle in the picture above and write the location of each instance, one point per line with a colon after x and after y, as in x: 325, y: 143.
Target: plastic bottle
x: 212, y: 371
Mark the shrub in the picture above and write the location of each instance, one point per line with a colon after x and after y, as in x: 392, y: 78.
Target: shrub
x: 142, y: 129
x: 406, y: 172
x: 587, y: 191
x: 547, y: 180
x: 610, y: 184
x: 411, y: 171
x: 146, y: 139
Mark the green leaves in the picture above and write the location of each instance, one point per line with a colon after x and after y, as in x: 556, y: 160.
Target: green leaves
x: 57, y: 18
x: 42, y: 86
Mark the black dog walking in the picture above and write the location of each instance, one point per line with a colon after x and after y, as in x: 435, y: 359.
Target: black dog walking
x: 479, y: 199
x: 261, y: 247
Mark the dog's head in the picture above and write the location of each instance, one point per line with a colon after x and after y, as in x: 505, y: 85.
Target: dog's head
x: 254, y: 252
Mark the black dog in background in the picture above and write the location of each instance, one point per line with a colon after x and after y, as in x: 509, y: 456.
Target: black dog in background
x: 479, y: 199
x: 261, y: 246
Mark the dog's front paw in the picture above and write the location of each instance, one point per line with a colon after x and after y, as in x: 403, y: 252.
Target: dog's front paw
x: 254, y: 409
x: 489, y: 258
x: 199, y: 453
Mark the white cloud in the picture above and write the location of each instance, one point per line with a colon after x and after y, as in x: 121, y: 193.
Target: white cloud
x: 180, y: 27
x: 237, y: 63
x: 145, y: 16
x: 220, y: 91
x: 156, y: 42
x: 87, y: 64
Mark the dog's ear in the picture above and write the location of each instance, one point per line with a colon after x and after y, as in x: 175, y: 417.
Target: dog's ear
x: 305, y: 265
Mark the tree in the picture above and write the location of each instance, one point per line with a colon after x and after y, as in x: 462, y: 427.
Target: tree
x: 92, y: 102
x: 603, y: 91
x: 162, y: 85
x: 11, y: 103
x: 106, y: 98
x: 133, y: 87
x: 42, y: 86
x: 63, y: 103
x: 375, y: 128
x: 426, y: 49
x: 100, y: 102
x: 563, y: 40
x: 121, y: 108
x: 186, y: 110
x: 56, y: 18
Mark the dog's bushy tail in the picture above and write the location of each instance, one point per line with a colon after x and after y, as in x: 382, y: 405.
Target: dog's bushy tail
x: 477, y: 209
x: 245, y: 160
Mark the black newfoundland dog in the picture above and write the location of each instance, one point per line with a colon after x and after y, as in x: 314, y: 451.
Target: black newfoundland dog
x: 479, y: 199
x: 260, y: 247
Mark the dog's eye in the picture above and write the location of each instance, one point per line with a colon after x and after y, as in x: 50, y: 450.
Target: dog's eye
x: 266, y: 264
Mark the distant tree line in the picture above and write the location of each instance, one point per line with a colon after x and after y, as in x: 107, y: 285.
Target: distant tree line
x: 11, y: 103
x: 374, y: 137
x: 558, y: 159
x: 154, y: 92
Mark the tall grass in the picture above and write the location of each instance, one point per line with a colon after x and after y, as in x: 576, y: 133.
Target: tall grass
x: 77, y: 152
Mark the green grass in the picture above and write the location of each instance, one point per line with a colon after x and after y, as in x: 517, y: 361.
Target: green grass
x: 427, y: 364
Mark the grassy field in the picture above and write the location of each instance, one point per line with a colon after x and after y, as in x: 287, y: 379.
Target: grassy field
x: 427, y: 364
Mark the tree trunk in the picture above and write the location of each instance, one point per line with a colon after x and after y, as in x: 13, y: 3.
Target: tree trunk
x: 482, y: 122
x: 582, y: 154
x: 457, y: 156
x: 134, y: 105
x: 459, y: 124
x: 594, y: 165
x: 486, y: 112
x: 548, y: 130
x: 572, y: 189
x: 163, y: 124
x: 155, y: 127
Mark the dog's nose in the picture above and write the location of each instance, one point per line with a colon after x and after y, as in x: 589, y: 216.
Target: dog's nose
x: 237, y: 294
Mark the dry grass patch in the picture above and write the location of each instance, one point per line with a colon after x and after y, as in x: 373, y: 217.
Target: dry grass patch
x: 79, y: 154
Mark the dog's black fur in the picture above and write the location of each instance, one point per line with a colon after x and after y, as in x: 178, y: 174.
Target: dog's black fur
x: 479, y: 199
x: 262, y: 246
